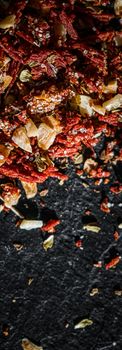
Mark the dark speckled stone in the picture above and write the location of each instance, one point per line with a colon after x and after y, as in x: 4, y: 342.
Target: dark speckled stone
x: 59, y: 296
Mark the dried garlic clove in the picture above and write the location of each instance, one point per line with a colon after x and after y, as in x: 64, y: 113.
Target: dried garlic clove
x: 25, y: 76
x: 48, y: 243
x: 8, y: 22
x: 1, y: 207
x: 99, y: 109
x: 118, y: 7
x: 31, y: 128
x: 84, y: 323
x: 94, y: 291
x: 78, y: 159
x: 28, y: 345
x: 12, y: 197
x: 114, y: 103
x: 7, y: 81
x: 21, y: 139
x: 120, y: 226
x: 30, y: 224
x: 4, y: 153
x: 30, y: 189
x: 46, y: 136
x: 89, y: 165
x: 53, y: 123
x: 85, y: 105
x: 110, y: 88
x: 118, y: 40
x: 92, y: 228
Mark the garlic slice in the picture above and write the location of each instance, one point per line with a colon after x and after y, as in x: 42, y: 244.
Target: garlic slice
x: 46, y: 136
x: 84, y: 103
x: 28, y: 345
x: 25, y: 76
x: 7, y: 22
x: 30, y: 224
x: 114, y: 103
x: 4, y: 153
x: 48, y: 243
x: 118, y: 7
x: 21, y: 139
x: 84, y: 323
x: 6, y: 82
x: 110, y: 88
x: 31, y: 128
x: 30, y: 189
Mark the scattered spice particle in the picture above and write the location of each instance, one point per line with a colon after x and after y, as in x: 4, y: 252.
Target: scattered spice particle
x: 50, y: 226
x: 116, y: 236
x: 79, y: 244
x: 5, y: 330
x: 118, y: 293
x: 98, y: 264
x: 94, y: 291
x: 84, y: 323
x: 43, y: 193
x: 30, y: 280
x: 28, y: 345
x: 113, y: 262
x: 48, y: 243
x: 18, y: 246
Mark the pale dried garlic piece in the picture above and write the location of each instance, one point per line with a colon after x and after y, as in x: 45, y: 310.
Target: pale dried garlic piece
x: 30, y: 224
x: 110, y: 88
x: 30, y: 189
x: 99, y: 109
x: 6, y: 81
x: 48, y: 243
x: 114, y: 103
x: 91, y: 227
x: 118, y: 7
x: 21, y: 139
x: 46, y: 136
x: 94, y: 291
x: 7, y: 22
x: 84, y: 103
x: 4, y: 153
x: 25, y: 76
x: 11, y: 199
x: 28, y: 345
x: 31, y: 128
x: 89, y: 165
x: 1, y: 207
x: 84, y: 323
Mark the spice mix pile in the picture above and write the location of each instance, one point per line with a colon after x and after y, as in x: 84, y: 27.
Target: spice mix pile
x: 60, y: 94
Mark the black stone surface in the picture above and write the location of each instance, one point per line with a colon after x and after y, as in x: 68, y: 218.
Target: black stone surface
x: 59, y: 296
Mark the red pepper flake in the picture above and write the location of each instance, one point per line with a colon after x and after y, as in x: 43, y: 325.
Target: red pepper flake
x: 79, y: 244
x: 98, y: 264
x: 50, y: 226
x: 116, y: 236
x: 104, y: 206
x: 113, y: 262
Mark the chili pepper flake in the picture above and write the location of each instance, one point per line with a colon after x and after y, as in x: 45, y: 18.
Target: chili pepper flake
x: 116, y: 236
x: 113, y: 262
x: 50, y: 226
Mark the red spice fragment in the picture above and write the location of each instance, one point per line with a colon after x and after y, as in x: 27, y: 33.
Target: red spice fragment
x: 113, y: 262
x: 50, y: 226
x: 104, y: 206
x: 116, y: 236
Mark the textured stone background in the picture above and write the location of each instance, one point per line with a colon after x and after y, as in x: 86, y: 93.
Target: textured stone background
x: 59, y: 294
